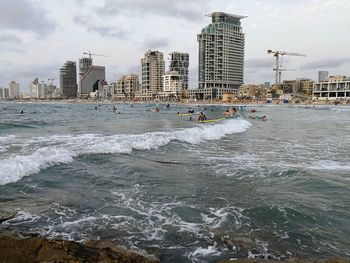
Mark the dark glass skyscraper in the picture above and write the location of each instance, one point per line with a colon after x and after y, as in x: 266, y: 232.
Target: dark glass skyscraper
x: 68, y: 80
x: 180, y: 62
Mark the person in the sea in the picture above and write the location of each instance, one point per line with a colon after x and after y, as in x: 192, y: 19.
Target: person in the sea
x: 202, y: 117
x: 21, y: 112
x: 157, y: 109
x: 191, y: 110
x: 114, y: 109
x: 227, y: 113
x: 96, y: 108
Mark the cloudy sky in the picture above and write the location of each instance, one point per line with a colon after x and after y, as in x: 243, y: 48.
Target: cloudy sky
x: 38, y: 36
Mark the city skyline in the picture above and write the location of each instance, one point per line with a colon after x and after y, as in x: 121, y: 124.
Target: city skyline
x: 48, y: 34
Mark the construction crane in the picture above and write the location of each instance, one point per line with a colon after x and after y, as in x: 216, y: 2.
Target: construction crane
x: 277, y: 69
x: 90, y: 54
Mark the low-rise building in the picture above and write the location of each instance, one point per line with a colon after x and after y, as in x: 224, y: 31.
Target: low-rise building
x: 289, y: 86
x: 305, y: 87
x: 336, y: 87
x: 209, y: 94
x: 251, y: 91
x: 172, y: 83
x: 126, y: 87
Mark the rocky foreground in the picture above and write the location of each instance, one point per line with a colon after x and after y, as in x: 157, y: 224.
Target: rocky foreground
x: 39, y: 249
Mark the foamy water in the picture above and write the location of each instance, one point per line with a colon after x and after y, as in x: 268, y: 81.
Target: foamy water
x: 189, y: 192
x: 63, y: 149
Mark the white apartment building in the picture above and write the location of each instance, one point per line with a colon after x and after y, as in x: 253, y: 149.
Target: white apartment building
x: 13, y: 90
x: 153, y: 67
x: 3, y: 93
x: 172, y: 83
x: 336, y: 87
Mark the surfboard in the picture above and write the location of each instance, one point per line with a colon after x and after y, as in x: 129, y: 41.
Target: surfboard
x: 212, y: 120
x: 184, y: 114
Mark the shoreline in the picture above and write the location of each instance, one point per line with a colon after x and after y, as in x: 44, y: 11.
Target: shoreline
x: 248, y: 103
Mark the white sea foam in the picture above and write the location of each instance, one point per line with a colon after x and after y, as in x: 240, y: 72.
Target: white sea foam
x: 202, y: 252
x: 22, y: 217
x: 63, y: 149
x: 330, y: 166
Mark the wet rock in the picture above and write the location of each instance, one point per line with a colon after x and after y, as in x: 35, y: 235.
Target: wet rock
x: 6, y: 215
x: 39, y: 249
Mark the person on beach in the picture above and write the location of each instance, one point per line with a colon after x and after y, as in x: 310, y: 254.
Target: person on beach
x: 202, y: 117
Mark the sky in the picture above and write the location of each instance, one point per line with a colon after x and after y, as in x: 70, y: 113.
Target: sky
x: 38, y: 36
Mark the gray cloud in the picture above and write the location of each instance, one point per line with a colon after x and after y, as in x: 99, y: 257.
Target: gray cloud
x: 24, y: 15
x: 99, y: 29
x: 186, y: 9
x: 10, y: 42
x: 257, y: 63
x: 155, y: 43
x: 326, y: 63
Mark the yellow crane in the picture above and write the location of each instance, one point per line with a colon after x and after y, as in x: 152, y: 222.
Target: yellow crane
x: 91, y: 54
x: 277, y: 69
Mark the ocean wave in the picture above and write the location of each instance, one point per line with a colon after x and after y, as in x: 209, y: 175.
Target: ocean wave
x: 63, y: 149
x: 329, y: 166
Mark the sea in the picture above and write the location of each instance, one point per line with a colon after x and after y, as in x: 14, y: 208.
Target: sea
x: 166, y: 185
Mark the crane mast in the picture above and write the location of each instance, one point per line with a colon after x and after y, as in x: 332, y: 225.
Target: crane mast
x: 277, y: 69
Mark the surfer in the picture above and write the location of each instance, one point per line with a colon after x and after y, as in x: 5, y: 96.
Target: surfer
x: 227, y: 113
x: 202, y: 117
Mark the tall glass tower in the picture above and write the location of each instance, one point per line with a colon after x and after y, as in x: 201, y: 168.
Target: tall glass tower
x: 221, y: 52
x: 68, y: 80
x: 179, y: 62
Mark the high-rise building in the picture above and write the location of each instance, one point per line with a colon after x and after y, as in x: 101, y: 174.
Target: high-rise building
x: 153, y: 67
x: 180, y: 62
x: 84, y: 66
x: 221, y: 52
x: 13, y: 90
x: 127, y: 86
x: 92, y: 80
x: 68, y: 80
x: 2, y: 93
x: 322, y: 76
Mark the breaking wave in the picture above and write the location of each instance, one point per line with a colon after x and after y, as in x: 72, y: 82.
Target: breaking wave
x: 53, y: 150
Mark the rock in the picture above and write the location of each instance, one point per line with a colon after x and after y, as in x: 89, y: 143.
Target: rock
x: 6, y: 215
x: 39, y: 249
